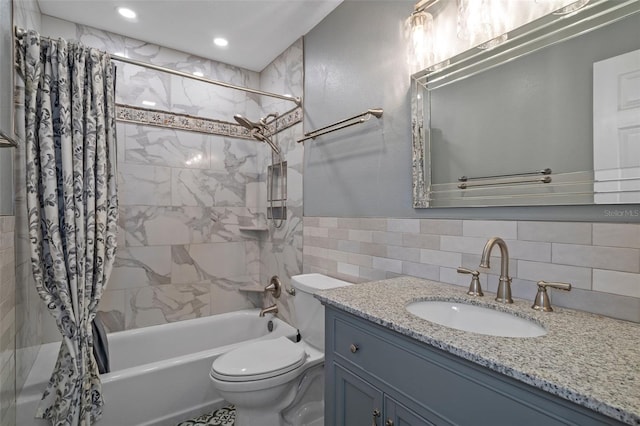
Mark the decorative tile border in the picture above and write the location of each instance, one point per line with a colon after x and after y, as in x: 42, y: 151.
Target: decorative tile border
x: 286, y: 120
x: 172, y: 120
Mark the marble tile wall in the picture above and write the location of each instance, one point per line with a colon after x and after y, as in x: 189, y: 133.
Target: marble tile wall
x: 185, y: 197
x: 600, y: 260
x: 281, y: 248
x: 7, y: 322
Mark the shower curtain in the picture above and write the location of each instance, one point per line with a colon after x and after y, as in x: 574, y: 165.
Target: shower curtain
x: 72, y: 207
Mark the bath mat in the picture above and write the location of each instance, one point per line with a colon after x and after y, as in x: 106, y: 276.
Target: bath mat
x: 225, y: 416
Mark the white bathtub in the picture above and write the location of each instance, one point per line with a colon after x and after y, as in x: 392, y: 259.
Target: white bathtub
x: 159, y: 374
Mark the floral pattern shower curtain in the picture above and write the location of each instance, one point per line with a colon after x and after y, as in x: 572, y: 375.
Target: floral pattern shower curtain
x: 72, y: 207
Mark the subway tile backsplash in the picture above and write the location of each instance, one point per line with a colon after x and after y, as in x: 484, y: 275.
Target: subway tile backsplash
x: 600, y: 260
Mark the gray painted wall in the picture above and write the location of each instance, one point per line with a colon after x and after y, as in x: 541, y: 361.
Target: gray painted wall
x: 355, y: 61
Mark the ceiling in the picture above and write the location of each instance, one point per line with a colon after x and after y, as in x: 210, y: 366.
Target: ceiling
x: 257, y: 30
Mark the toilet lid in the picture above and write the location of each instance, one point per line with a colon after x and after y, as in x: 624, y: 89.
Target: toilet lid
x: 258, y: 360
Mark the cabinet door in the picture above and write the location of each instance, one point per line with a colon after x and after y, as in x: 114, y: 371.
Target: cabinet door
x: 396, y: 414
x: 357, y: 402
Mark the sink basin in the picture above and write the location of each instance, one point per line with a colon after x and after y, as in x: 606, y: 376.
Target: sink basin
x: 475, y: 319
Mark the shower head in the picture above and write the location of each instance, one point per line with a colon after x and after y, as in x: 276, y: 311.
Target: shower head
x: 245, y: 122
x: 257, y: 131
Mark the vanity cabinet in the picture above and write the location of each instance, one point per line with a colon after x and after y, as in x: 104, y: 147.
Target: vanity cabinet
x: 358, y: 402
x: 375, y: 376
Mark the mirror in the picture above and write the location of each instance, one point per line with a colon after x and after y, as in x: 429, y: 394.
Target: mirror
x: 528, y: 121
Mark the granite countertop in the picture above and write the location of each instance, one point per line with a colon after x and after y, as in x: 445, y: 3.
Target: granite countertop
x: 589, y: 359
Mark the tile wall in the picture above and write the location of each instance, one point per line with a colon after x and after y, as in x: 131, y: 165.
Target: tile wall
x: 186, y: 196
x: 281, y: 248
x: 600, y: 260
x: 182, y: 195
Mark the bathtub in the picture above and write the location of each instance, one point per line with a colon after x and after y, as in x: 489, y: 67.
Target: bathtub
x: 160, y: 374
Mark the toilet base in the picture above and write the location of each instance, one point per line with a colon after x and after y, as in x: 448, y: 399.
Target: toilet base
x: 295, y: 403
x: 249, y: 417
x: 261, y: 407
x: 307, y: 409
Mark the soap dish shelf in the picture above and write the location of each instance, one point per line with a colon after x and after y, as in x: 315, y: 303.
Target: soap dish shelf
x: 253, y: 228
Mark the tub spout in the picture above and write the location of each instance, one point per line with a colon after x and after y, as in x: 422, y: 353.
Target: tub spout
x: 273, y: 309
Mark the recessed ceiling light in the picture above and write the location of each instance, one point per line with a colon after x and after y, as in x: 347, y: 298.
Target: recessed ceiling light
x: 125, y: 12
x: 148, y: 103
x: 198, y: 74
x: 221, y: 42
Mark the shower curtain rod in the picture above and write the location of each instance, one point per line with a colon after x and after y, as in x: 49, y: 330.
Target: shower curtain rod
x: 19, y: 33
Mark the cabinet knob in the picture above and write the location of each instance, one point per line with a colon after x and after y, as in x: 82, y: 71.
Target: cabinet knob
x: 354, y: 348
x: 376, y: 414
x: 389, y: 422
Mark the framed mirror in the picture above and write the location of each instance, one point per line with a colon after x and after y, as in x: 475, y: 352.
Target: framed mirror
x: 548, y: 116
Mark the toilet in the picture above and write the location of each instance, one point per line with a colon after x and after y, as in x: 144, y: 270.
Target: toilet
x: 278, y: 382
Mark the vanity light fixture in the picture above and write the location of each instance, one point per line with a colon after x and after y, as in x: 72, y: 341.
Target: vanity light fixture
x: 482, y: 22
x: 127, y: 13
x: 421, y: 33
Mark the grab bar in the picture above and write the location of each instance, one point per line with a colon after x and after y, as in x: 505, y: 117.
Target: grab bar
x: 365, y: 116
x: 546, y: 179
x: 546, y: 171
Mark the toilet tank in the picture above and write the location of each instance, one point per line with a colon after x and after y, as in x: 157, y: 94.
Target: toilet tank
x: 309, y: 312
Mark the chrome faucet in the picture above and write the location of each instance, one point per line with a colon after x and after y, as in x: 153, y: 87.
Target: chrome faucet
x: 504, y: 284
x: 273, y: 309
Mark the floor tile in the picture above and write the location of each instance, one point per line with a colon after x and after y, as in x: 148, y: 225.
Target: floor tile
x: 225, y: 416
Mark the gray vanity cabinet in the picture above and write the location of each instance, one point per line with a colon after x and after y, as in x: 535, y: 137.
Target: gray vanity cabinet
x: 370, y: 369
x: 358, y: 402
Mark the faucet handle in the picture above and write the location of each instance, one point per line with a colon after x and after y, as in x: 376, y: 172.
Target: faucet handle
x: 542, y: 302
x: 474, y: 287
x: 274, y: 287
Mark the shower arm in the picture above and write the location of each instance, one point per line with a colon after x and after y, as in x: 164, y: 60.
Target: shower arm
x: 264, y: 121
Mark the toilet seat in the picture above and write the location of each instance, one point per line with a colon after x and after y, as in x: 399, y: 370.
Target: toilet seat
x: 259, y: 360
